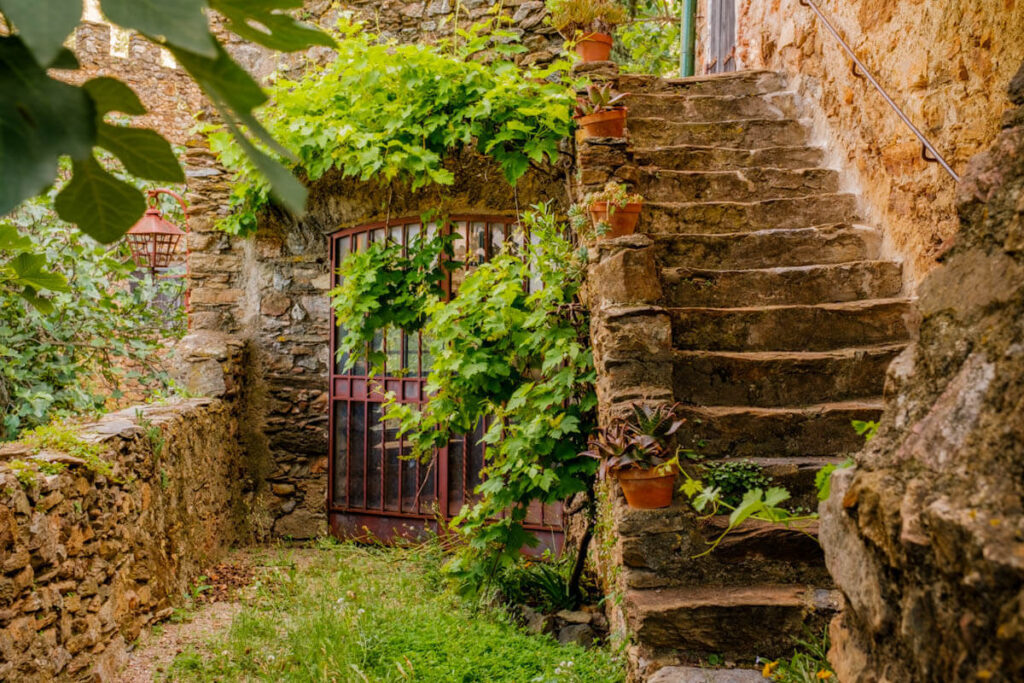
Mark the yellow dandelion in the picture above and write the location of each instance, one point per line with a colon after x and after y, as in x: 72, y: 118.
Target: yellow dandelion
x: 769, y: 668
x: 824, y: 675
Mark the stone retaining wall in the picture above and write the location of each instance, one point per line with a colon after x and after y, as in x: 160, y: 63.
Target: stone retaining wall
x: 88, y: 558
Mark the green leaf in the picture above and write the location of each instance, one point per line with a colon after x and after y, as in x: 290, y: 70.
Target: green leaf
x: 260, y: 22
x: 44, y: 306
x: 181, y: 23
x: 43, y: 24
x: 110, y: 94
x: 101, y: 205
x: 40, y: 120
x: 29, y: 269
x: 143, y: 152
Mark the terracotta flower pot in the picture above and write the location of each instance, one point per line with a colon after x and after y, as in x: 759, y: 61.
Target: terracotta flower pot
x: 604, y: 124
x: 647, y: 489
x: 595, y: 47
x: 622, y: 221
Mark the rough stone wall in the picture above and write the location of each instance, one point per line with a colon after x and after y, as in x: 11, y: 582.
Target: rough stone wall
x: 947, y: 63
x: 87, y: 560
x: 926, y: 536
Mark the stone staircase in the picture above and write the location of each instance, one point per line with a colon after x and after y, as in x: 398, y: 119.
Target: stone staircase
x: 772, y: 320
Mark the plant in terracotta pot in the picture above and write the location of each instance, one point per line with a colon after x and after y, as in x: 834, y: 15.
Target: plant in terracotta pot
x: 614, y: 211
x: 636, y: 453
x: 599, y: 114
x: 589, y: 23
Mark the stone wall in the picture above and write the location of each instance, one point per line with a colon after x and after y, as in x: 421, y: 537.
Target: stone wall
x: 926, y: 536
x: 88, y: 558
x: 947, y: 63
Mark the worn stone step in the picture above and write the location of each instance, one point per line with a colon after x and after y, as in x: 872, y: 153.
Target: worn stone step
x: 710, y: 218
x: 793, y: 247
x: 679, y: 107
x: 667, y: 547
x: 792, y: 285
x: 754, y: 432
x: 748, y: 133
x: 696, y: 674
x: 726, y: 84
x: 780, y: 378
x: 730, y: 622
x: 820, y: 327
x: 751, y: 184
x: 719, y: 158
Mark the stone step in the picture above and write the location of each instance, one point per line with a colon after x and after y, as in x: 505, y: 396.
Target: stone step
x: 748, y: 133
x: 789, y: 286
x: 680, y: 107
x: 715, y: 218
x: 731, y: 622
x: 667, y: 548
x: 718, y: 158
x: 722, y: 85
x: 752, y: 432
x: 780, y: 378
x: 751, y: 184
x: 821, y: 327
x: 696, y: 674
x: 779, y: 248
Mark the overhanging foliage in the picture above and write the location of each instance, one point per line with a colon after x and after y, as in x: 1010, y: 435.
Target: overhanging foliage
x: 384, y: 111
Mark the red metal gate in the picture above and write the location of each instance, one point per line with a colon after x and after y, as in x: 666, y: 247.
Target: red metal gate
x: 373, y: 491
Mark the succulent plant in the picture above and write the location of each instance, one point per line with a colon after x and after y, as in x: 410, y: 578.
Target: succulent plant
x: 600, y: 98
x: 639, y: 442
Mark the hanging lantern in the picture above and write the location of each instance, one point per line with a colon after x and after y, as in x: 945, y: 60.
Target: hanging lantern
x: 154, y: 239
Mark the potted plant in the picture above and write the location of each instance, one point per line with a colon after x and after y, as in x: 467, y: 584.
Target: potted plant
x: 635, y: 452
x: 589, y: 23
x: 599, y: 114
x: 614, y: 211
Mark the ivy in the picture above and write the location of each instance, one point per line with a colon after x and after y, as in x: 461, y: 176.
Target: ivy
x: 514, y: 358
x: 385, y: 111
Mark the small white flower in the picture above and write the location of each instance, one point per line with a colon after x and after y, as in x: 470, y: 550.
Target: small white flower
x: 362, y: 611
x: 224, y: 653
x: 558, y: 672
x: 270, y: 658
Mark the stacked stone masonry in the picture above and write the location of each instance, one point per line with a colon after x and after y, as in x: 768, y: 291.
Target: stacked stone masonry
x: 756, y: 297
x: 87, y: 559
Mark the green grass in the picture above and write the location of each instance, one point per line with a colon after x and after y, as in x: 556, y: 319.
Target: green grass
x: 374, y: 614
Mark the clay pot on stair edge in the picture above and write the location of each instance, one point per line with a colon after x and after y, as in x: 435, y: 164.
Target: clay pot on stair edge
x: 610, y: 123
x: 647, y: 489
x: 622, y: 220
x: 594, y: 47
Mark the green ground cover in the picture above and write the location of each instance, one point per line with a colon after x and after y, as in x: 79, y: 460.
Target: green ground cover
x: 350, y: 613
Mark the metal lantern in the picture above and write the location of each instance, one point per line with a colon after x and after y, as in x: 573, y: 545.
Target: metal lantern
x: 154, y: 239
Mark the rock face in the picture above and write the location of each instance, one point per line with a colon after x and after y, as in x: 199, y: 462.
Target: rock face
x: 926, y: 537
x: 947, y: 63
x: 88, y: 557
x: 756, y: 298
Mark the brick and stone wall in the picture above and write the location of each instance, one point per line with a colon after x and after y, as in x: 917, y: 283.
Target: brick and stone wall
x: 924, y: 537
x: 88, y: 559
x: 947, y: 63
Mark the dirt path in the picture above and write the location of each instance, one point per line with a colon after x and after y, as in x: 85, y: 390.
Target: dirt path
x: 208, y: 616
x: 159, y: 645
